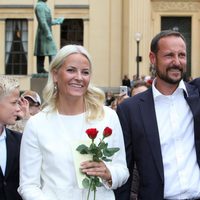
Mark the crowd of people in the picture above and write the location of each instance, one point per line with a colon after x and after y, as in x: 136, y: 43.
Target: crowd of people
x: 155, y: 127
x: 112, y: 100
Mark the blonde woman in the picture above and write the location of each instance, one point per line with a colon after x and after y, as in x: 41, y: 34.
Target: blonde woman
x: 47, y: 165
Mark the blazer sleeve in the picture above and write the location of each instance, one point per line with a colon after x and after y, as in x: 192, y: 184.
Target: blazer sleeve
x: 30, y: 165
x: 195, y: 82
x: 123, y: 193
x: 118, y: 166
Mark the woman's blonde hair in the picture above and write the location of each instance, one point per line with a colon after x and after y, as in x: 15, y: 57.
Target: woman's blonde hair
x: 94, y: 98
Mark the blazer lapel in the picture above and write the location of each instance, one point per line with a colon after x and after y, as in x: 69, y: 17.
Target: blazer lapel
x: 1, y: 173
x: 10, y: 147
x: 193, y: 100
x: 151, y: 129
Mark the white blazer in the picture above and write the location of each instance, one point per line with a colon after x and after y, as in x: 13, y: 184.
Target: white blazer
x: 47, y: 170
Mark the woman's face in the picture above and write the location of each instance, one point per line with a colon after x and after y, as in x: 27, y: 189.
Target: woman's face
x: 73, y: 76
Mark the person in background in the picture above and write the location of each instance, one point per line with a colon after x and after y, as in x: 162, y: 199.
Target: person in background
x: 126, y: 81
x: 134, y: 79
x: 30, y: 104
x: 34, y: 101
x: 47, y: 168
x: 161, y: 127
x: 109, y: 98
x: 113, y: 104
x: 44, y: 43
x: 138, y: 87
x: 9, y: 140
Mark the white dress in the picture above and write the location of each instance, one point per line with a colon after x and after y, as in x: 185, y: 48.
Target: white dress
x: 47, y: 170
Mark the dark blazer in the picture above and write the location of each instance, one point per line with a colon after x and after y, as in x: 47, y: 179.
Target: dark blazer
x: 139, y: 125
x: 10, y: 182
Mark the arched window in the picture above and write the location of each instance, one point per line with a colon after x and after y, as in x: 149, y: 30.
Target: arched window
x: 16, y: 45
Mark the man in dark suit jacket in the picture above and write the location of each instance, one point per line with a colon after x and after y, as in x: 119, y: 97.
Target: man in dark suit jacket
x: 9, y: 182
x: 9, y: 140
x: 161, y: 128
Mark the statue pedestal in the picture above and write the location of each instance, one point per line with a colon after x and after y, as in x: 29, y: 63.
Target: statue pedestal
x: 38, y: 82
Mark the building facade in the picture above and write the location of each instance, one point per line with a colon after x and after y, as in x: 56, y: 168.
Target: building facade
x: 107, y: 28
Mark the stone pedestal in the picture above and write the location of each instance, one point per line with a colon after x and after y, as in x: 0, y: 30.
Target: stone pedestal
x: 38, y: 84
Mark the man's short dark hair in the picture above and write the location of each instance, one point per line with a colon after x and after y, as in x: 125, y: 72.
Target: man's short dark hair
x: 162, y: 34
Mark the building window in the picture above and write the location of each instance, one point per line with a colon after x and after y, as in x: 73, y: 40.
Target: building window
x: 72, y: 32
x: 16, y: 46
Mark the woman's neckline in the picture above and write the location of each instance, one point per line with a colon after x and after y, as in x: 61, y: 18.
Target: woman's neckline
x: 70, y: 115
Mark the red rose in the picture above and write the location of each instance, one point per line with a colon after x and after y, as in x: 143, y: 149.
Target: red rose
x: 92, y: 133
x: 107, y: 132
x: 150, y: 81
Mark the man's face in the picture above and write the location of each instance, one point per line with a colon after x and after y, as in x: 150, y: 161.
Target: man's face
x: 170, y: 60
x: 34, y: 109
x: 9, y: 108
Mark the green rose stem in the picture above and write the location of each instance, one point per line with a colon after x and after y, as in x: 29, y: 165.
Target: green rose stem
x: 91, y: 183
x: 89, y: 190
x: 95, y: 193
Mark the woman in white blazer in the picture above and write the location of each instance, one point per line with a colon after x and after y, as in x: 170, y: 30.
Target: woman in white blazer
x: 48, y: 159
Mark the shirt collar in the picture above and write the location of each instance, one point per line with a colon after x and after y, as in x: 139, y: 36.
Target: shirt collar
x: 3, y: 135
x: 157, y: 93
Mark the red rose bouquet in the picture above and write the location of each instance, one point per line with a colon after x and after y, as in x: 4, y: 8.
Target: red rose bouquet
x: 99, y: 152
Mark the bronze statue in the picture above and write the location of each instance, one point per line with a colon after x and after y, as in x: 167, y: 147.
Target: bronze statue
x: 44, y: 43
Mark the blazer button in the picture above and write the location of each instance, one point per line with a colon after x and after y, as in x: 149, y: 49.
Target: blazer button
x: 4, y: 183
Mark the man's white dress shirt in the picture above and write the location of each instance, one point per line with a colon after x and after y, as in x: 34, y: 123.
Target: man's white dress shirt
x: 3, y: 152
x: 176, y: 132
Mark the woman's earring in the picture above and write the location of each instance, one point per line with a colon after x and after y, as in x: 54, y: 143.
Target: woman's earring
x: 55, y: 89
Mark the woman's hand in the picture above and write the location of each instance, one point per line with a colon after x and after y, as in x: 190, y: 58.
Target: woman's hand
x: 99, y: 169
